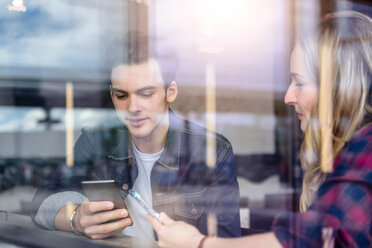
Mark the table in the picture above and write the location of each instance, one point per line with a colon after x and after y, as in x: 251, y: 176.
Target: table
x: 20, y: 230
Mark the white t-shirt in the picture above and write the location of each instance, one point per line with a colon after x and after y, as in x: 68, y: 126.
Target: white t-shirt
x: 141, y: 227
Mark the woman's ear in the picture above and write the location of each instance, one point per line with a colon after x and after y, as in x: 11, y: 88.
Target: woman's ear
x: 172, y: 92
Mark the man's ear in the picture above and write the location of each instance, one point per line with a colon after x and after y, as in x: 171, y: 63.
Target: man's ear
x: 172, y: 92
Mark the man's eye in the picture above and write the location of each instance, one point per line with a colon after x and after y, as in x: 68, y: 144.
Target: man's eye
x: 121, y: 96
x: 146, y: 94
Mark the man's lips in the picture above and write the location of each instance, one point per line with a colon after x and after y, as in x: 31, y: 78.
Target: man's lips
x: 136, y: 122
x: 300, y: 116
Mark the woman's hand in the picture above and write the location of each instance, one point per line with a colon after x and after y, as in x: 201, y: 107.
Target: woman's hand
x: 91, y: 218
x: 175, y: 233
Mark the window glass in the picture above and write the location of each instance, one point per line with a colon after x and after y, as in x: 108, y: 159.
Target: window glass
x: 182, y: 101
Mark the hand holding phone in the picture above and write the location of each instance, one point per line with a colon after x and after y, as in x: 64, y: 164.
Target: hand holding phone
x: 104, y: 190
x: 97, y: 218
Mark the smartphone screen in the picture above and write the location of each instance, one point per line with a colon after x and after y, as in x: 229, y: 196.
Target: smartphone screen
x: 104, y: 190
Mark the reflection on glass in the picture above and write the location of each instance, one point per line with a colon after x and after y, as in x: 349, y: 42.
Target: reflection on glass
x: 233, y: 59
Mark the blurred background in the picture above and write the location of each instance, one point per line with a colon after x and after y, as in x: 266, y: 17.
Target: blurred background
x: 241, y: 46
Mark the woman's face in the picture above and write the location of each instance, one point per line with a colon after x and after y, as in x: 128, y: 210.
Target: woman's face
x: 302, y: 92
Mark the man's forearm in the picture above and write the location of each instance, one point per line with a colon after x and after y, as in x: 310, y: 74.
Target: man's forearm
x: 52, y: 206
x: 62, y: 220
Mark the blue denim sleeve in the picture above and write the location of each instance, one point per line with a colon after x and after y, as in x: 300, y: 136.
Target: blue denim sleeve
x: 223, y: 195
x: 65, y: 178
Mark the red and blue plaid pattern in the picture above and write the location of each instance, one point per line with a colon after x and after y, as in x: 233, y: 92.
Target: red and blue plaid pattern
x: 343, y: 202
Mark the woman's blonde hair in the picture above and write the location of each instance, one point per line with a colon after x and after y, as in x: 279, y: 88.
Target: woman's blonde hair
x: 346, y: 39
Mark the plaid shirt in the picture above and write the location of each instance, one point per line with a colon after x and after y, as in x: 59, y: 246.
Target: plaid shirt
x: 343, y: 202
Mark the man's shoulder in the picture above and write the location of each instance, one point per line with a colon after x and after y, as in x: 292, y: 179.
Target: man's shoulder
x: 94, y: 130
x: 100, y: 136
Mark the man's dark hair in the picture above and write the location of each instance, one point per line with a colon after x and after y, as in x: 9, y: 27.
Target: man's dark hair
x: 137, y: 51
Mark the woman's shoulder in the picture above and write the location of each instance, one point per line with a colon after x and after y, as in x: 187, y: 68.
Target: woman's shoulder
x: 361, y: 142
x: 363, y: 133
x: 355, y: 159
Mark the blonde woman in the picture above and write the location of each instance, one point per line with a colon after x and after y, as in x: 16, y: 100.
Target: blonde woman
x: 331, y: 93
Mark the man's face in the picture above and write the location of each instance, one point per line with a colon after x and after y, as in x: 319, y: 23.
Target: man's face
x: 139, y: 97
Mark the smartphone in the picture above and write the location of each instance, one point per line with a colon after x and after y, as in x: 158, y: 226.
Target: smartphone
x: 136, y: 196
x: 104, y: 190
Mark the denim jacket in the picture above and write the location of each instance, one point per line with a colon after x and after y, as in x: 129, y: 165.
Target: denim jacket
x: 182, y: 184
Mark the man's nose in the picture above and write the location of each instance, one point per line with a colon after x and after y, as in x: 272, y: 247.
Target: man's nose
x: 134, y: 105
x: 290, y: 97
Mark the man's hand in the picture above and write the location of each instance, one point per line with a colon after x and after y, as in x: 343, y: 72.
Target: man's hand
x: 91, y: 219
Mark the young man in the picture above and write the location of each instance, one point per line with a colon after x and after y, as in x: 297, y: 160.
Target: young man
x: 155, y: 152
